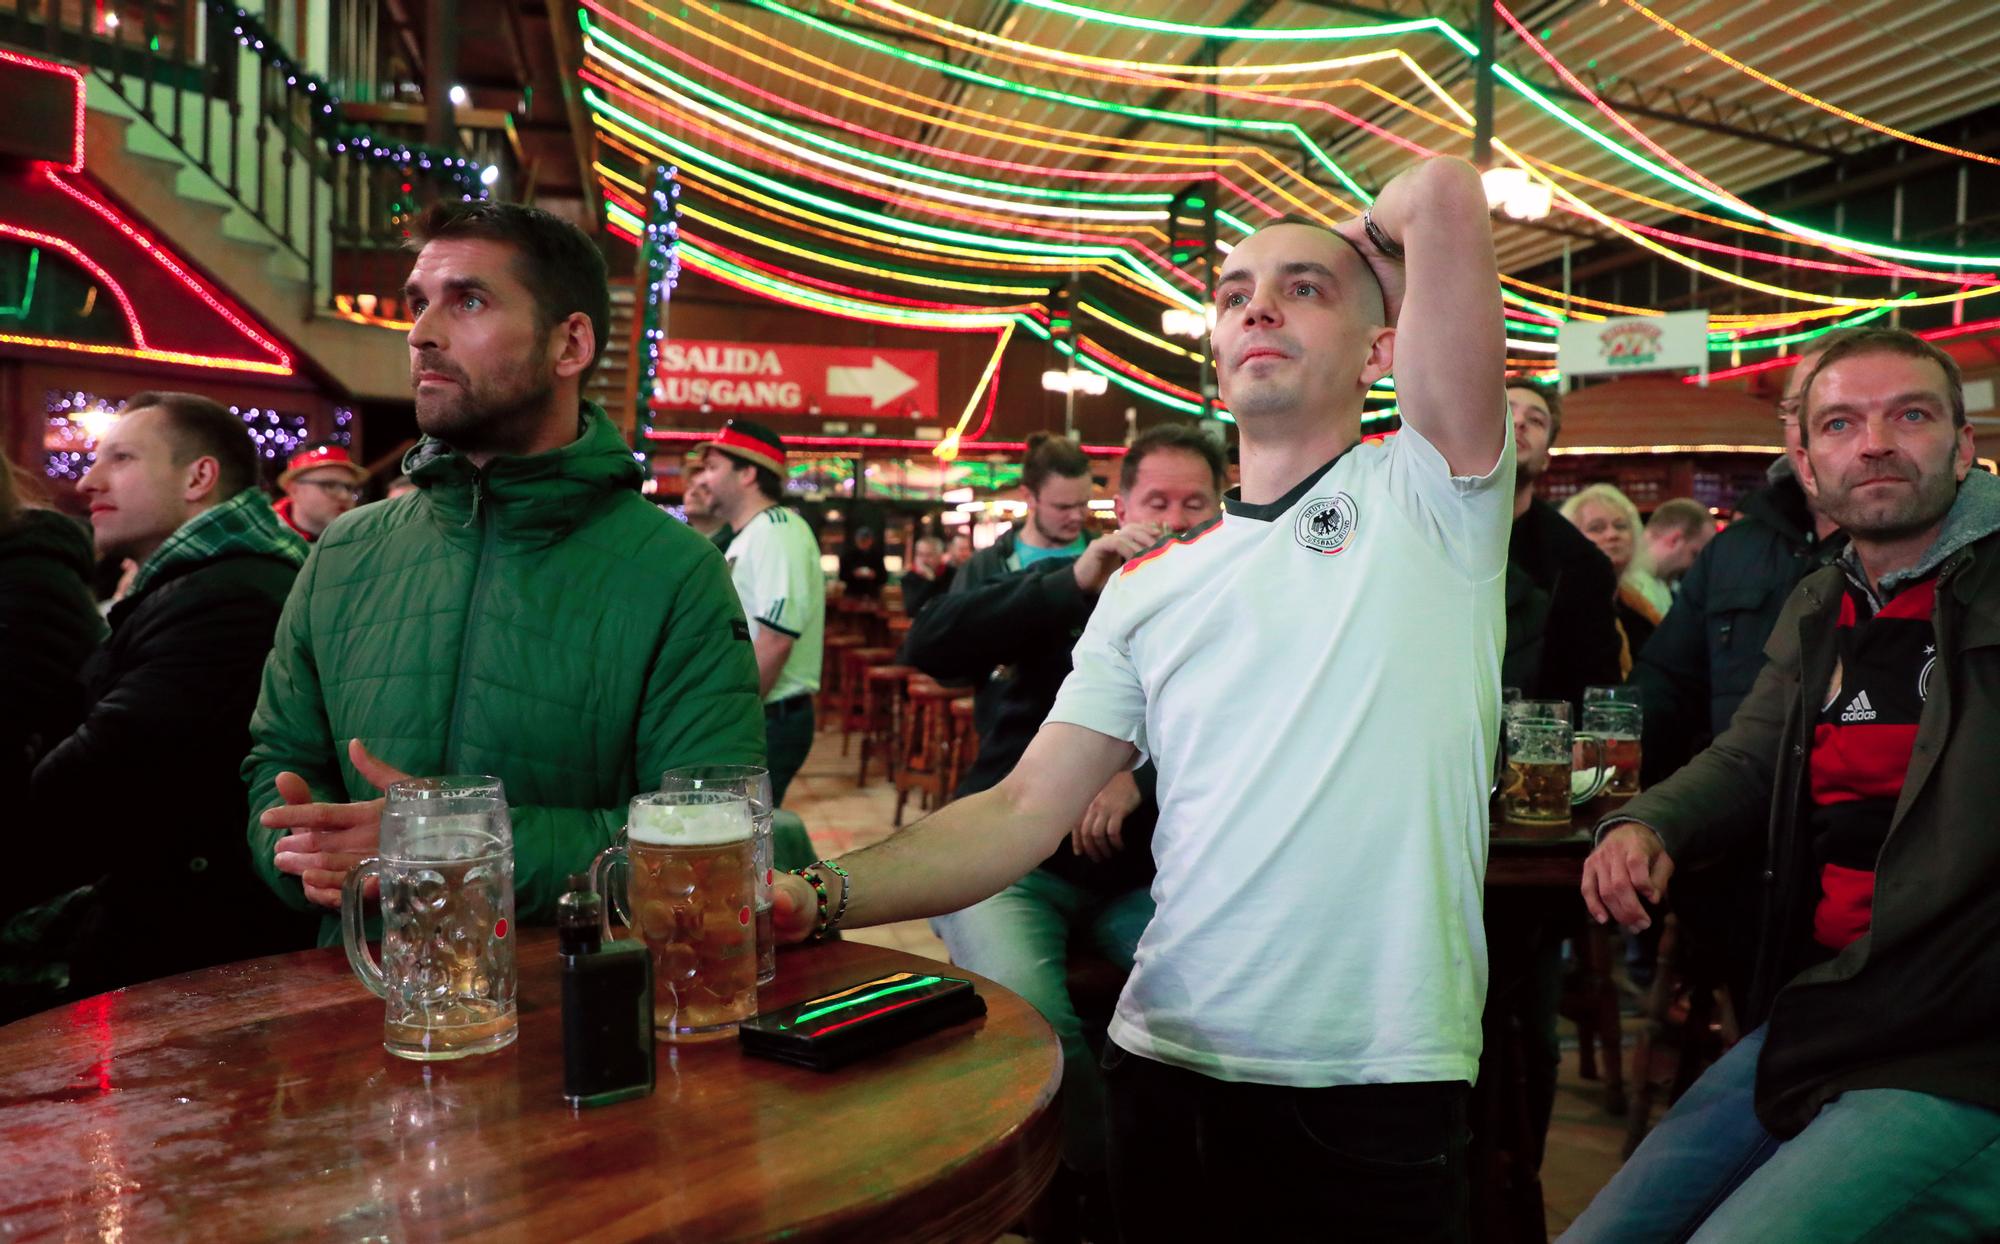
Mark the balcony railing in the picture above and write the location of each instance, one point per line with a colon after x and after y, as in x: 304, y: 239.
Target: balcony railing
x: 333, y: 188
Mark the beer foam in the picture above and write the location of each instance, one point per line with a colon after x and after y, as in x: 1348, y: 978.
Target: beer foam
x: 689, y: 825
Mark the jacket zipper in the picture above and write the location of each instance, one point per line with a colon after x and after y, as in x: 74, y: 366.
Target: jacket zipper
x: 486, y: 535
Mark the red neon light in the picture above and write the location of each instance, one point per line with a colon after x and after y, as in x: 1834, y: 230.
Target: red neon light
x: 863, y: 442
x: 14, y: 58
x: 1935, y: 334
x: 693, y: 259
x: 160, y: 257
x: 880, y: 1010
x: 1817, y: 265
x: 867, y: 189
x: 790, y: 107
x: 1576, y: 84
x: 84, y: 261
x: 851, y: 291
x: 150, y: 355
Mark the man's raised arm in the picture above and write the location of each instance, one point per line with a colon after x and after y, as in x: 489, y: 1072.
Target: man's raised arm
x: 973, y: 848
x: 1444, y: 302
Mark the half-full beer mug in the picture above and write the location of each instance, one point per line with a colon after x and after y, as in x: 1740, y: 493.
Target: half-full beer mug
x: 1544, y: 779
x: 446, y: 867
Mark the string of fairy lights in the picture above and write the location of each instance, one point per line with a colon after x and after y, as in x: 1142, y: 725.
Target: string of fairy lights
x: 841, y: 210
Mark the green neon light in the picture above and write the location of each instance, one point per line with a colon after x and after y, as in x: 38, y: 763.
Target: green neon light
x: 690, y: 153
x: 1340, y: 33
x: 821, y: 141
x: 27, y: 286
x: 1721, y: 201
x: 1287, y: 128
x: 1874, y: 313
x: 1311, y: 34
x: 905, y: 987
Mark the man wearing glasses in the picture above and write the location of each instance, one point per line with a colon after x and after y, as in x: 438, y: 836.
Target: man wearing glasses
x: 320, y: 484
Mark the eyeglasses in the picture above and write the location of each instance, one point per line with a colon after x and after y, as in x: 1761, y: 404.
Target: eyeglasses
x: 334, y: 487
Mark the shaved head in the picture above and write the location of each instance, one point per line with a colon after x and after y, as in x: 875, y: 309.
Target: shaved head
x: 1355, y: 278
x: 1300, y: 324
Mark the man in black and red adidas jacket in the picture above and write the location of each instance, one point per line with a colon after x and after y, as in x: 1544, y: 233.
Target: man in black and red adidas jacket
x: 1864, y: 1101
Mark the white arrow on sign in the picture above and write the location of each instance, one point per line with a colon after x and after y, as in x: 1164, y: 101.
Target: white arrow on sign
x: 881, y: 382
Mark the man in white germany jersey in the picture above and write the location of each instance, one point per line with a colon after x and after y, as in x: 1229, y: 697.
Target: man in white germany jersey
x: 1316, y: 677
x: 774, y: 563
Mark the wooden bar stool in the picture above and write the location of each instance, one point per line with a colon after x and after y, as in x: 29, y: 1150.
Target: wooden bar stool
x: 1591, y: 1000
x: 926, y: 744
x: 854, y: 663
x: 964, y: 741
x: 883, y: 689
x: 831, y: 671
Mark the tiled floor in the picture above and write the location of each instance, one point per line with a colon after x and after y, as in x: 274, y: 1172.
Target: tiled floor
x: 1583, y: 1139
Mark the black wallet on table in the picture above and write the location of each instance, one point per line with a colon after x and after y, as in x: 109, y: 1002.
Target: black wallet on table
x: 862, y: 1019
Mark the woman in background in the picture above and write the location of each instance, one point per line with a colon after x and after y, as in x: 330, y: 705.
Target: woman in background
x: 1608, y: 517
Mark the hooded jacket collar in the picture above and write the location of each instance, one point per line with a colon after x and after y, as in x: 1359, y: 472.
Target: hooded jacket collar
x: 534, y: 500
x: 1974, y: 515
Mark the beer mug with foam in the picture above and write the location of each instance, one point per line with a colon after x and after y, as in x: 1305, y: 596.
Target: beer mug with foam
x: 445, y: 863
x: 689, y: 857
x: 753, y: 782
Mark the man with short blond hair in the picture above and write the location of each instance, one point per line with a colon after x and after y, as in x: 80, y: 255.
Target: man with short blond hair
x: 1678, y: 529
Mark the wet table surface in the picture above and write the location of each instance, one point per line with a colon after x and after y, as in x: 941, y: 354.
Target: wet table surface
x: 255, y: 1101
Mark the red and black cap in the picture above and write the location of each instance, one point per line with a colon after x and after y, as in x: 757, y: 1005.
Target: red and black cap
x: 749, y: 442
x: 313, y: 457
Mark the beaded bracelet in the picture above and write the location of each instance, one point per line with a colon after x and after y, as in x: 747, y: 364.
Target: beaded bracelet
x: 1389, y: 246
x: 846, y: 889
x: 821, y: 926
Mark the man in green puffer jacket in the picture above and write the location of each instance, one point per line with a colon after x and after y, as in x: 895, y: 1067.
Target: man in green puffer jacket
x: 525, y: 613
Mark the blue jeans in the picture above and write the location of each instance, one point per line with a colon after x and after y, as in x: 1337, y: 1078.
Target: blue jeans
x: 1020, y: 938
x: 1875, y: 1164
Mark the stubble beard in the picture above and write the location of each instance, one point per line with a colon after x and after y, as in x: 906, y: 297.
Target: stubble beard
x: 1049, y: 538
x: 1897, y: 518
x: 487, y: 418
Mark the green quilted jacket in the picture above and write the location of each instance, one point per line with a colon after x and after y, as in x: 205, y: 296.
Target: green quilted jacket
x: 538, y: 620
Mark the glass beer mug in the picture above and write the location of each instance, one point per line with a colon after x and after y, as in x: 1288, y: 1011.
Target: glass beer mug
x: 1544, y: 779
x: 689, y: 858
x: 445, y: 862
x: 1619, y: 723
x: 753, y: 782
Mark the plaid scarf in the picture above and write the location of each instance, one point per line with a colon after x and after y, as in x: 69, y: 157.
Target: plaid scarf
x: 243, y: 524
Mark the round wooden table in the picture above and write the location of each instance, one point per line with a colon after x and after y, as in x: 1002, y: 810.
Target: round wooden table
x: 255, y: 1101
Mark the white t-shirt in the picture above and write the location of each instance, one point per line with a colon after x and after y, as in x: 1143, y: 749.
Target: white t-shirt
x: 774, y: 563
x: 1317, y: 681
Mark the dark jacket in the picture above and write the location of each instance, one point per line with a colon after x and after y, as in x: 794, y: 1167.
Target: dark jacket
x: 1561, y: 633
x: 919, y: 591
x: 1915, y: 1003
x: 1012, y: 636
x: 987, y: 564
x: 1707, y: 651
x: 49, y: 626
x: 861, y: 570
x: 148, y: 788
